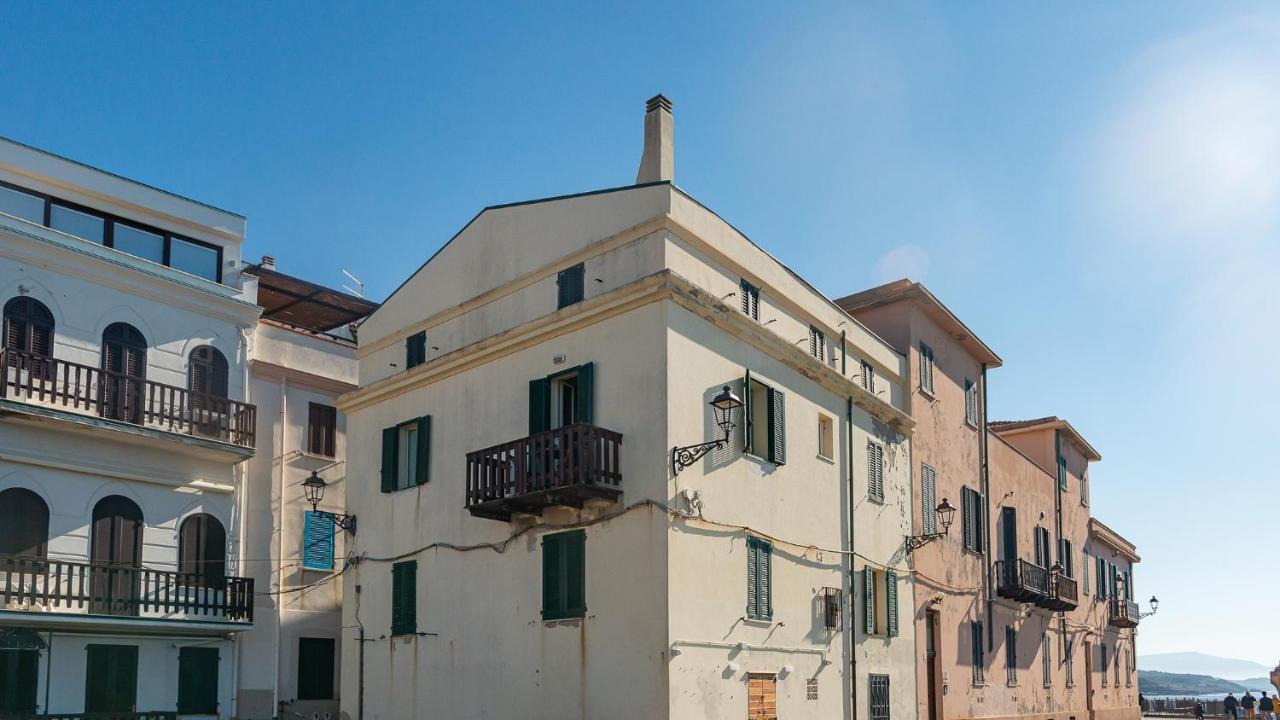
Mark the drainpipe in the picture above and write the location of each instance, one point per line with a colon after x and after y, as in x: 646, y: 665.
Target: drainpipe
x: 843, y: 353
x: 237, y: 526
x: 48, y: 672
x: 284, y: 404
x: 853, y: 681
x: 986, y: 514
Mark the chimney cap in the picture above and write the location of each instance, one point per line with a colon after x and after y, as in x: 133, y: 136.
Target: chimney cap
x: 656, y: 102
x: 268, y: 261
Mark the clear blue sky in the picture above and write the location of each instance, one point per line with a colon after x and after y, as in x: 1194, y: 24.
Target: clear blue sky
x: 1094, y: 188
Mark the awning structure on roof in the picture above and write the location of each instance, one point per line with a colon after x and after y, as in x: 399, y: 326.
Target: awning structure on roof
x: 302, y: 303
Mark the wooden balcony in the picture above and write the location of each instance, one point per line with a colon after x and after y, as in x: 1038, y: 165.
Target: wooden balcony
x: 1123, y: 613
x: 1022, y: 581
x: 59, y: 586
x: 159, y: 715
x: 565, y: 466
x: 1064, y: 595
x: 84, y: 389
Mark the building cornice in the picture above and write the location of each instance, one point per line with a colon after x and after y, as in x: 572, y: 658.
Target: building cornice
x: 71, y: 463
x: 1114, y: 539
x: 274, y: 371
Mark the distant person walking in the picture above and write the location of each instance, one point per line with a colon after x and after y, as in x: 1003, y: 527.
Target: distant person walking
x: 1199, y: 710
x: 1248, y: 702
x: 1229, y: 704
x: 1267, y: 707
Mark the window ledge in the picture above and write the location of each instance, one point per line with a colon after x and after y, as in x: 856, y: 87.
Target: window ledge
x: 927, y: 393
x: 874, y: 499
x: 971, y: 424
x: 826, y: 459
x: 758, y: 622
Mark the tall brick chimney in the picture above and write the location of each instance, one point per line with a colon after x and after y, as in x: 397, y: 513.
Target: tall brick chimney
x: 658, y: 161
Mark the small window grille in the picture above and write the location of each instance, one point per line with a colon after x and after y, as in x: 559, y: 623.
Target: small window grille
x: 811, y: 689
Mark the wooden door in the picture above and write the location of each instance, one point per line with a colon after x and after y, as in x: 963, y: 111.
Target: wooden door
x: 19, y: 676
x: 124, y: 363
x: 932, y: 661
x: 111, y: 679
x: 116, y: 554
x: 762, y: 696
x: 1088, y: 677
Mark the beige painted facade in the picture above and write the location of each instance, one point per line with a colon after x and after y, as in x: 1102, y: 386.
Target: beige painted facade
x: 1021, y: 498
x: 667, y: 631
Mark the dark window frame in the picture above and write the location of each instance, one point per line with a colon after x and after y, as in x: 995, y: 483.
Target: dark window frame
x: 750, y: 300
x: 109, y: 222
x: 559, y: 574
x: 571, y: 286
x: 878, y: 697
x: 404, y: 598
x: 415, y: 350
x: 202, y: 551
x: 322, y: 429
x: 315, y: 655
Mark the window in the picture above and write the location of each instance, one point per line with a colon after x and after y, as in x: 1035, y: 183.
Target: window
x: 977, y: 653
x: 868, y: 377
x: 879, y: 601
x: 971, y: 402
x: 111, y: 678
x: 406, y: 454
x: 750, y: 299
x: 1062, y: 471
x: 562, y: 398
x: 207, y: 373
x: 1101, y: 577
x: 1043, y: 556
x: 570, y: 285
x: 415, y: 350
x: 929, y: 499
x: 826, y: 437
x: 972, y: 520
x: 28, y: 328
x: 315, y: 668
x: 124, y: 362
x: 762, y: 696
x: 875, y: 471
x: 198, y: 680
x: 82, y: 225
x: 317, y: 540
x: 1046, y: 666
x: 879, y: 696
x: 22, y: 205
x: 404, y: 598
x: 1065, y: 557
x: 1069, y: 661
x: 564, y: 575
x: 202, y: 551
x: 926, y: 368
x: 189, y: 256
x: 1084, y: 572
x: 24, y: 524
x: 759, y: 579
x: 1128, y: 669
x: 817, y: 344
x: 19, y: 676
x: 1115, y: 664
x: 1102, y: 649
x: 1011, y: 655
x: 811, y: 689
x: 765, y: 428
x: 322, y: 423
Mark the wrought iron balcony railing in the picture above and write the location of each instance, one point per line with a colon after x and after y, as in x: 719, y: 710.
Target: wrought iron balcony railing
x: 1123, y: 613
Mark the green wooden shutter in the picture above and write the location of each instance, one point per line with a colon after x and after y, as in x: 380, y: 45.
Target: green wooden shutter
x: 747, y: 417
x: 966, y: 507
x: 868, y: 600
x: 1101, y: 577
x: 19, y: 678
x: 390, y: 441
x: 564, y: 575
x: 764, y: 575
x: 586, y: 393
x: 539, y: 405
x: 929, y: 499
x: 777, y: 427
x: 891, y: 600
x: 404, y: 598
x: 575, y: 566
x: 422, y: 471
x: 316, y: 668
x: 552, y: 597
x: 198, y: 680
x: 753, y: 587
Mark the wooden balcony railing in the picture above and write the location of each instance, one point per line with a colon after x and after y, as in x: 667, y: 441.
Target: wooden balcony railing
x: 564, y: 466
x: 1123, y: 613
x: 104, y: 589
x: 154, y: 715
x: 1022, y: 581
x: 33, y: 378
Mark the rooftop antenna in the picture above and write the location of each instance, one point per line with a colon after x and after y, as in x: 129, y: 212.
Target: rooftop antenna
x: 358, y: 282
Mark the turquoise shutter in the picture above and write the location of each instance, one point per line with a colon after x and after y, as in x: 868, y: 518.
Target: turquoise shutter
x: 423, y: 469
x: 586, y: 393
x: 753, y: 594
x: 869, y: 600
x: 539, y: 405
x: 891, y: 601
x: 747, y: 414
x: 777, y: 427
x: 317, y: 532
x: 390, y: 438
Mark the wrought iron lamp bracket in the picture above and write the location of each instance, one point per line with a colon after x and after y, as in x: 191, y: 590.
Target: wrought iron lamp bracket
x: 683, y: 457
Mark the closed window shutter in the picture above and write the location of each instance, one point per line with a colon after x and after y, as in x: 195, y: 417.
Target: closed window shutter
x: 575, y: 563
x: 552, y: 596
x: 1084, y: 571
x: 1039, y: 549
x: 15, y: 333
x: 928, y: 499
x: 422, y: 468
x: 891, y: 601
x: 1101, y: 577
x: 875, y: 471
x: 747, y: 430
x: 586, y: 393
x: 198, y: 680
x: 404, y: 598
x: 390, y: 441
x: 539, y: 405
x: 777, y: 427
x: 869, y: 600
x: 966, y: 508
x: 570, y: 281
x: 766, y: 580
x: 317, y: 533
x: 753, y: 587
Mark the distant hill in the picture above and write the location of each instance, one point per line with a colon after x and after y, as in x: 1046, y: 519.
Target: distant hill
x: 1258, y: 683
x: 1195, y: 663
x: 1151, y: 682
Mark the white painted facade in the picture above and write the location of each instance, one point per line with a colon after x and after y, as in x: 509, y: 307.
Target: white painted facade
x: 664, y: 633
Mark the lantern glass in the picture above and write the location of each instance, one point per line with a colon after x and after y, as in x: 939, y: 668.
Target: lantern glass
x: 1154, y: 603
x: 313, y: 489
x: 724, y: 405
x: 946, y: 511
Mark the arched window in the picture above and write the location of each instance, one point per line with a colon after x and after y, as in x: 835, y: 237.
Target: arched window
x: 115, y: 548
x: 202, y: 551
x: 208, y: 375
x: 28, y: 328
x: 124, y: 365
x: 24, y: 524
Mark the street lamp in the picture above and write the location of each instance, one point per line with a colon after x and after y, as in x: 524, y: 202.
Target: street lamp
x: 945, y: 511
x: 1155, y: 605
x: 724, y: 407
x: 313, y: 488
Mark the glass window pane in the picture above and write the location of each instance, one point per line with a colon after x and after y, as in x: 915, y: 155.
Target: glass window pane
x: 20, y: 204
x: 74, y: 222
x: 193, y: 258
x: 148, y: 246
